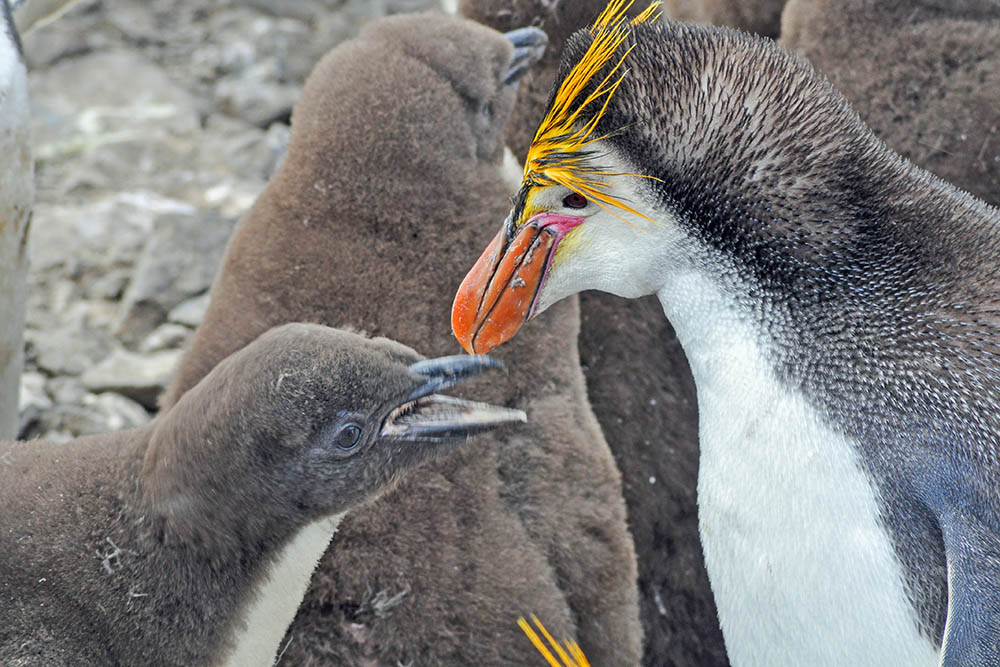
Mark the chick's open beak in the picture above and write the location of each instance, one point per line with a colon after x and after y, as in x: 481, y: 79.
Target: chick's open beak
x: 430, y: 417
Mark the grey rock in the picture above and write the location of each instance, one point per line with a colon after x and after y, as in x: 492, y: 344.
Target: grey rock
x: 167, y: 336
x: 255, y: 62
x: 304, y: 10
x: 250, y: 152
x: 190, y: 313
x: 278, y: 136
x: 109, y: 285
x: 336, y: 27
x: 63, y: 295
x: 72, y: 35
x: 292, y: 45
x: 92, y: 315
x: 257, y: 95
x: 59, y: 436
x: 139, y: 377
x: 118, y: 411
x: 33, y: 402
x: 67, y: 390
x: 179, y: 260
x: 103, y: 232
x: 407, y: 6
x: 68, y: 351
x: 33, y: 393
x: 113, y: 121
x: 81, y: 106
x: 96, y: 414
x: 67, y: 396
x: 290, y: 36
x: 136, y: 23
x: 358, y: 10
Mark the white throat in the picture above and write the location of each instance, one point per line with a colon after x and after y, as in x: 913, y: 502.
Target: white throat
x: 273, y: 605
x: 802, y: 570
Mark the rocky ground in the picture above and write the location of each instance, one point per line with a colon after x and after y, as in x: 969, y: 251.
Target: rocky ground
x: 156, y: 123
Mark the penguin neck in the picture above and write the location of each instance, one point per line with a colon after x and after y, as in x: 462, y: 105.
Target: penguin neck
x: 275, y: 595
x: 250, y: 540
x: 800, y: 564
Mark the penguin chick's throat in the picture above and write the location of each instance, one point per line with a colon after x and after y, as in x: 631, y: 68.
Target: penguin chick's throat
x: 273, y: 604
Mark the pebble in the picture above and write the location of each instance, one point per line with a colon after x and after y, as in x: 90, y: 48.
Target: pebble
x: 64, y: 351
x: 165, y: 337
x: 191, y: 312
x: 140, y: 377
x: 179, y: 260
x: 33, y: 401
x: 67, y: 390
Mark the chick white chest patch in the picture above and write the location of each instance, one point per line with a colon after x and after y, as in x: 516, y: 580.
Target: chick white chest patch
x: 273, y: 605
x: 801, y: 569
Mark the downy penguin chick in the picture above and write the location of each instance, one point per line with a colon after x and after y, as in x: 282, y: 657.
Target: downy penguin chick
x: 370, y: 224
x: 17, y: 193
x: 924, y: 75
x: 190, y: 540
x: 838, y: 307
x: 760, y: 16
x: 646, y: 403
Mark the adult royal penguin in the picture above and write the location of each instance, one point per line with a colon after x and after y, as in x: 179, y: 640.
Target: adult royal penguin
x: 393, y: 175
x: 646, y: 403
x: 837, y: 305
x: 17, y: 192
x: 190, y: 540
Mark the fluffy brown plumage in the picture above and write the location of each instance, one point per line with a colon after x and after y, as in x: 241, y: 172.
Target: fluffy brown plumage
x: 391, y: 184
x: 924, y: 75
x: 645, y: 402
x: 760, y: 16
x: 144, y: 547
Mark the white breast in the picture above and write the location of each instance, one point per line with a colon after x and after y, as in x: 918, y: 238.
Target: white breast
x: 273, y: 606
x: 801, y: 570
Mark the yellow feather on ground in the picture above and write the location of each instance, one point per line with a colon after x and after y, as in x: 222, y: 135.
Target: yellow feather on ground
x: 568, y: 656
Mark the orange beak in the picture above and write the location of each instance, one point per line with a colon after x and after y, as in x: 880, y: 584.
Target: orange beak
x: 500, y: 291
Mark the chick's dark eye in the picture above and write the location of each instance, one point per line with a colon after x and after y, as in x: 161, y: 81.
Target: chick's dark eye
x: 487, y: 109
x: 348, y: 436
x: 574, y: 200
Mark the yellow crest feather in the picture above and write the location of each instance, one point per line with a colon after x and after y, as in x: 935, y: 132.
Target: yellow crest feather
x: 557, y: 153
x: 570, y: 656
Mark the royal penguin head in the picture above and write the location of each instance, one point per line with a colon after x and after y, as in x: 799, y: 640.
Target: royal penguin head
x: 661, y: 144
x: 570, y: 200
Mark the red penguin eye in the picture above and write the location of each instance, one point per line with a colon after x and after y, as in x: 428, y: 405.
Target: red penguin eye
x: 574, y: 200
